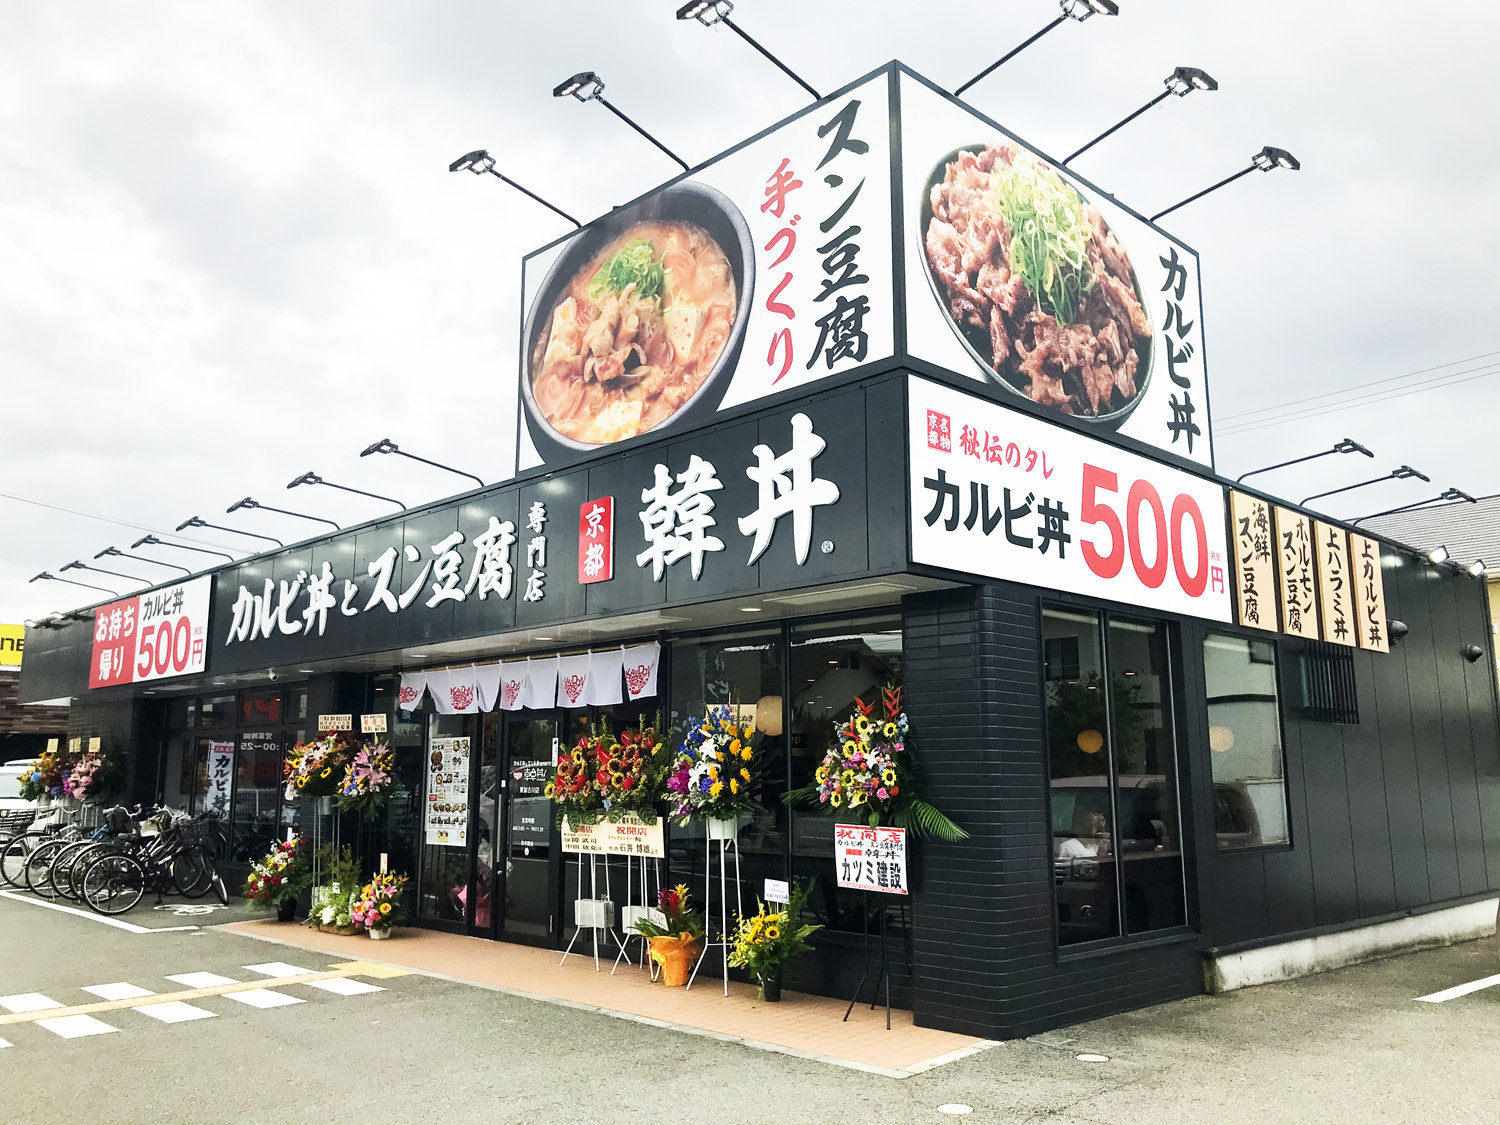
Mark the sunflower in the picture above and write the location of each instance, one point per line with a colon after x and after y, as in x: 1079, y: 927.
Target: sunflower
x: 773, y: 932
x: 734, y: 785
x: 713, y: 773
x: 745, y: 753
x: 821, y: 774
x: 734, y: 745
x: 889, y: 730
x: 326, y: 772
x: 385, y: 908
x: 888, y: 776
x: 862, y: 725
x: 856, y: 798
x: 836, y: 800
x: 715, y: 789
x: 745, y: 774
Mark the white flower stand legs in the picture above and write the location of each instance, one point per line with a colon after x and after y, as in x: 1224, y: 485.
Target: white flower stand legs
x: 726, y: 834
x: 632, y: 911
x: 593, y: 913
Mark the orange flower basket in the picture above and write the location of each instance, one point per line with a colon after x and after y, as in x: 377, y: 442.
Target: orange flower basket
x: 675, y: 955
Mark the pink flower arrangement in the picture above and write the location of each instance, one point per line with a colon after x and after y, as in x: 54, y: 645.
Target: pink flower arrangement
x: 376, y: 906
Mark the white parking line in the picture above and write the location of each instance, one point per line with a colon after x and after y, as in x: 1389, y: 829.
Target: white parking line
x: 278, y: 969
x: 4, y: 1043
x: 1447, y: 993
x: 174, y: 1011
x: 344, y: 986
x: 263, y: 998
x: 75, y: 1027
x: 118, y: 991
x: 128, y: 927
x: 201, y: 980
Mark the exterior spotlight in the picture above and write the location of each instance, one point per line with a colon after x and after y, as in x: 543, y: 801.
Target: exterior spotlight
x: 1471, y: 653
x: 1185, y: 79
x: 153, y: 541
x: 70, y: 582
x: 249, y: 503
x: 479, y: 162
x: 1403, y: 473
x: 79, y: 564
x: 1264, y: 160
x: 313, y: 478
x: 1079, y: 10
x: 1395, y: 629
x: 587, y: 86
x: 386, y: 445
x: 1438, y: 555
x: 1182, y: 82
x: 194, y: 521
x: 1476, y: 568
x: 115, y: 552
x: 711, y: 12
x: 1348, y: 445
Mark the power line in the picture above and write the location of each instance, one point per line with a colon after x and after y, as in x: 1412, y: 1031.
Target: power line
x: 1356, y: 387
x: 1449, y: 380
x: 107, y: 519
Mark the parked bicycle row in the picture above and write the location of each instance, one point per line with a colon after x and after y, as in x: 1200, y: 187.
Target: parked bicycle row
x: 110, y: 868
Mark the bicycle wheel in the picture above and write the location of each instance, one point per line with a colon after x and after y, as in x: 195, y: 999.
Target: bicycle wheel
x: 13, y: 859
x: 82, y: 864
x: 39, y: 863
x: 59, y: 874
x: 114, y: 884
x: 221, y: 892
x: 192, y: 874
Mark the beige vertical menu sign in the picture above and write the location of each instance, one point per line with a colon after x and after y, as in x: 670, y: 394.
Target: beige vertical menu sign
x: 1294, y: 574
x: 1254, y: 563
x: 1335, y: 583
x: 1369, y: 593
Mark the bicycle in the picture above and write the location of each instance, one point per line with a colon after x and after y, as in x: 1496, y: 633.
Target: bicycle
x: 114, y: 881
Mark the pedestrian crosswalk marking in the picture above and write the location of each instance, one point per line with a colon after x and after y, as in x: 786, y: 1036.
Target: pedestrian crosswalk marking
x: 117, y: 991
x: 4, y: 1043
x: 344, y: 986
x: 174, y: 1011
x: 75, y: 1027
x: 202, y: 980
x: 28, y: 1002
x: 263, y: 998
x: 278, y: 969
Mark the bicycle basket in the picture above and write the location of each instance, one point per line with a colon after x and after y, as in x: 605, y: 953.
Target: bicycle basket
x: 117, y: 820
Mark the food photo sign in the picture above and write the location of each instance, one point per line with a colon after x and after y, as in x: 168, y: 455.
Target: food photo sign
x: 1043, y: 288
x: 766, y: 270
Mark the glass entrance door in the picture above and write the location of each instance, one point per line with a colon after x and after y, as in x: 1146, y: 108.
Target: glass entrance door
x: 527, y: 885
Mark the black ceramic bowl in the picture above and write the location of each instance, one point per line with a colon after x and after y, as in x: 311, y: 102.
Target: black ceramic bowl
x: 685, y: 202
x: 977, y: 342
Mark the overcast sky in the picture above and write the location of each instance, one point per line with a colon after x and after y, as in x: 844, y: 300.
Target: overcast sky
x: 231, y: 251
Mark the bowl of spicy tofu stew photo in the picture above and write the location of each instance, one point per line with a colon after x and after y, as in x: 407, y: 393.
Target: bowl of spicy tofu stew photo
x: 638, y: 324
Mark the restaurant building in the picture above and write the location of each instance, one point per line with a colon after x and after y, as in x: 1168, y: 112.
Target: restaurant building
x: 1198, y: 737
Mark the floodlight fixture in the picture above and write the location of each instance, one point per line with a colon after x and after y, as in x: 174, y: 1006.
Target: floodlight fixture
x: 247, y: 502
x: 587, y: 86
x: 1182, y: 82
x: 1265, y: 160
x: 1395, y: 629
x: 194, y: 521
x: 1471, y: 653
x: 1405, y: 472
x: 313, y: 478
x: 1348, y: 445
x: 1447, y: 495
x: 1476, y: 568
x: 70, y: 582
x: 153, y: 541
x: 1077, y: 10
x: 712, y: 12
x: 115, y: 552
x: 386, y: 445
x: 480, y: 161
x: 79, y: 564
x: 1438, y: 555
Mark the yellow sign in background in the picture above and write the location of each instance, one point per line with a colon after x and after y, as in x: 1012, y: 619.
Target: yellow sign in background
x: 12, y: 641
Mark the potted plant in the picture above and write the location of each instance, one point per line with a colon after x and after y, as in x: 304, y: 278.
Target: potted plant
x: 714, y: 773
x: 676, y: 939
x: 280, y: 877
x: 765, y: 942
x: 334, y: 897
x: 378, y: 904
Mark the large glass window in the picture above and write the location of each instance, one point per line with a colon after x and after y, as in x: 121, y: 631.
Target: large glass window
x: 1244, y: 740
x: 1116, y: 828
x: 444, y: 879
x: 831, y: 665
x: 257, y: 786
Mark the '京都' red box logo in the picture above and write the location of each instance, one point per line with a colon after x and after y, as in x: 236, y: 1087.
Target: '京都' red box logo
x: 939, y: 432
x: 596, y: 540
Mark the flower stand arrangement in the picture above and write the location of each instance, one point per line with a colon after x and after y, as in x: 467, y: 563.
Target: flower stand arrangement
x: 630, y: 772
x: 573, y: 787
x: 765, y: 942
x: 675, y: 941
x: 318, y: 768
x: 378, y: 905
x: 45, y: 781
x: 368, y: 780
x: 714, y: 774
x: 280, y: 877
x: 92, y: 775
x: 869, y: 775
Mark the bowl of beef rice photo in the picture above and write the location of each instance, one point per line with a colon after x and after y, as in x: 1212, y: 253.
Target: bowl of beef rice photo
x: 1035, y: 284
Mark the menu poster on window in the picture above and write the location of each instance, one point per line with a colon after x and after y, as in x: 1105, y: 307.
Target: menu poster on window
x: 1254, y: 563
x: 1369, y: 593
x: 1294, y: 574
x: 220, y: 778
x: 445, y: 818
x: 871, y: 859
x: 1335, y: 590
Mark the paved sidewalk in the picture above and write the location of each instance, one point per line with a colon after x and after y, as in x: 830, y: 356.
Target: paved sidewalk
x: 806, y: 1026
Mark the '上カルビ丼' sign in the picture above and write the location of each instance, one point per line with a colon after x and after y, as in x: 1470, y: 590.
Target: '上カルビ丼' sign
x: 151, y: 636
